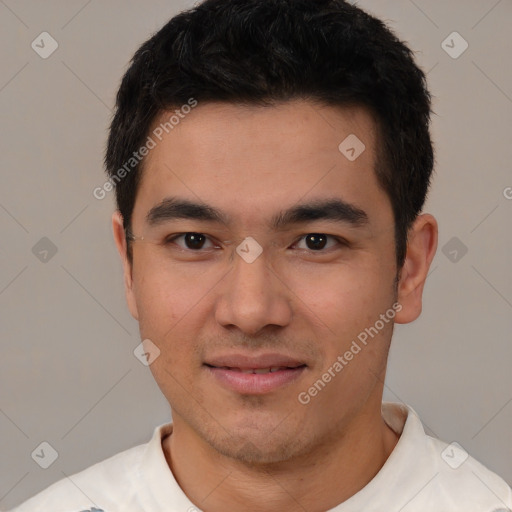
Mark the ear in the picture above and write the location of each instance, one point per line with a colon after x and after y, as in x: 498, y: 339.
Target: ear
x: 120, y: 240
x: 421, y: 249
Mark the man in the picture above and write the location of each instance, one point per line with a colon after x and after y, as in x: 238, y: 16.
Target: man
x: 271, y: 161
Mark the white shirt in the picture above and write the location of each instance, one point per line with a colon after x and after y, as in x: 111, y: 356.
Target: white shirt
x: 422, y: 474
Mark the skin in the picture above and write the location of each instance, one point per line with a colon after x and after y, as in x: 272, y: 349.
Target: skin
x: 227, y: 449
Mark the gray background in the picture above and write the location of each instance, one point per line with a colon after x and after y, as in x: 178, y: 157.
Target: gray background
x: 68, y: 375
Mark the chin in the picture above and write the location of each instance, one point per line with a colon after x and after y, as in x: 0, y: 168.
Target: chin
x: 249, y: 453
x: 259, y: 448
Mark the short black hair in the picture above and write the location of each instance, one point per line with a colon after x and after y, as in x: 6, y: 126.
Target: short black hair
x: 260, y: 52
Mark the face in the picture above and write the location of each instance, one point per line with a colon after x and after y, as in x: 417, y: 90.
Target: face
x: 221, y: 318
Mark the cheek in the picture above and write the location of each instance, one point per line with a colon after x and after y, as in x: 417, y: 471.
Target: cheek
x: 343, y: 301
x: 172, y: 305
x: 168, y: 305
x: 346, y: 291
x: 165, y: 294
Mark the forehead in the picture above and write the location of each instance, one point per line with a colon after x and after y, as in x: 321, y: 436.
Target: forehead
x: 297, y: 128
x: 252, y: 158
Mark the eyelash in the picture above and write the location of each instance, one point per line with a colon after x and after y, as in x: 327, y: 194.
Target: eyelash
x: 171, y: 239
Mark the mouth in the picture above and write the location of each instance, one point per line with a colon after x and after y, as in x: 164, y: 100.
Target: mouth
x: 260, y: 371
x: 255, y: 375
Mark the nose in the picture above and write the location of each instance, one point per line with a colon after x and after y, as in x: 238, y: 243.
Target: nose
x: 252, y: 296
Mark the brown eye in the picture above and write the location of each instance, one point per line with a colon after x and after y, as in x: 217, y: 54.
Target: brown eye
x: 192, y: 241
x: 318, y: 241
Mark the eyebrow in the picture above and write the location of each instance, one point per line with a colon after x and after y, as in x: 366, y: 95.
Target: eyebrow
x: 336, y: 210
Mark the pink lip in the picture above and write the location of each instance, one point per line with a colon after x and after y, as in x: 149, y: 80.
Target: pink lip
x: 254, y: 383
x: 228, y: 371
x: 245, y: 362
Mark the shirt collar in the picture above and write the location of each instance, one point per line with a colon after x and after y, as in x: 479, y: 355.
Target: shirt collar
x: 158, y: 490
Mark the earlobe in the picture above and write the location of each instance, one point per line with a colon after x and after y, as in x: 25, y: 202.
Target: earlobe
x: 421, y: 249
x: 120, y: 241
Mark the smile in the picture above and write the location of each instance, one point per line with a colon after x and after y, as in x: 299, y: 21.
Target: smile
x: 254, y: 380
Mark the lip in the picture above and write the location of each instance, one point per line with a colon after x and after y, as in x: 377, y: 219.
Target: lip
x: 229, y: 369
x: 245, y: 362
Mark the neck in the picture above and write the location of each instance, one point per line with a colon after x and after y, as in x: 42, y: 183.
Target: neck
x: 318, y: 482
